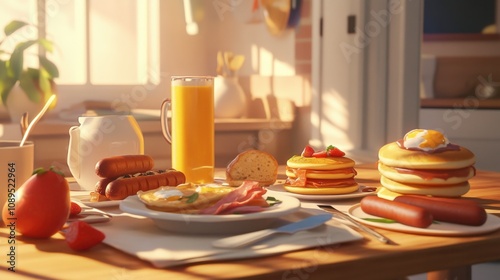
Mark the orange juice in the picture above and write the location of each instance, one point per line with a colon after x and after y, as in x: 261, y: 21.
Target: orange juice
x: 193, y: 128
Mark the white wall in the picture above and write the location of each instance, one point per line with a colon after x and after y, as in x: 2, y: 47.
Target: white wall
x: 220, y: 29
x: 224, y: 30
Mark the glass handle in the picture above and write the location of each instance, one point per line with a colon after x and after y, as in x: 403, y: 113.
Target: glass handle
x: 165, y: 106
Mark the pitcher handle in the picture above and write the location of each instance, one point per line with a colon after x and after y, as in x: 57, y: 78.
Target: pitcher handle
x: 164, y: 119
x: 73, y: 159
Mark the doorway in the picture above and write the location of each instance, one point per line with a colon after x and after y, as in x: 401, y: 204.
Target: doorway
x: 366, y: 73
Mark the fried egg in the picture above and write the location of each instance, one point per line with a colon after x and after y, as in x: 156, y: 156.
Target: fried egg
x: 185, y: 198
x: 168, y: 194
x: 425, y: 140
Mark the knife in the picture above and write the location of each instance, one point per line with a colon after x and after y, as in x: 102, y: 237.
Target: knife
x: 368, y: 230
x: 252, y: 237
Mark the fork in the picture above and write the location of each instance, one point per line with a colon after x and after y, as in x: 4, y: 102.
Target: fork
x: 368, y: 230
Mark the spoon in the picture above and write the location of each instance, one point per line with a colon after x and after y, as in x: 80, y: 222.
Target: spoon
x: 37, y: 118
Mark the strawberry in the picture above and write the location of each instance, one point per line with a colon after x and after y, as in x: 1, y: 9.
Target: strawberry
x: 333, y: 151
x: 308, y: 151
x: 82, y: 236
x: 321, y: 154
x: 75, y: 209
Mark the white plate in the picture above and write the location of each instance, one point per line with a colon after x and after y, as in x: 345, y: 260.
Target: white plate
x: 279, y: 189
x: 84, y: 197
x: 440, y: 229
x: 212, y: 224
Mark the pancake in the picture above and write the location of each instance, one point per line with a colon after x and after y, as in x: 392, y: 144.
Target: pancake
x: 325, y: 163
x: 425, y: 162
x: 392, y: 155
x: 321, y: 191
x: 454, y: 190
x: 427, y: 176
x: 387, y: 194
x: 344, y: 173
x: 328, y: 175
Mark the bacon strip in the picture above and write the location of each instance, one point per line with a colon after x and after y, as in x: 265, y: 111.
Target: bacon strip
x: 247, y: 194
x: 300, y: 180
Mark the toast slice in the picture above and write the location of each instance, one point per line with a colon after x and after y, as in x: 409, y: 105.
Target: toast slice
x: 252, y: 165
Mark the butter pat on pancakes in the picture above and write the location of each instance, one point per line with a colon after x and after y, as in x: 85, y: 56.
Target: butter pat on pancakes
x: 320, y: 175
x: 425, y: 162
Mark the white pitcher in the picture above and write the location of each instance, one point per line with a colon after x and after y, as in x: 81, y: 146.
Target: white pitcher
x: 97, y: 138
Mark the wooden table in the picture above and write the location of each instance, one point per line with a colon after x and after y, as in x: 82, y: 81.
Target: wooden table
x: 368, y: 259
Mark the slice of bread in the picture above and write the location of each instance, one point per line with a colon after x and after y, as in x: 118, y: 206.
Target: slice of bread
x: 252, y: 165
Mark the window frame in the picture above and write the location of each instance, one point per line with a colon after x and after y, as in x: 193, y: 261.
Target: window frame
x: 119, y: 97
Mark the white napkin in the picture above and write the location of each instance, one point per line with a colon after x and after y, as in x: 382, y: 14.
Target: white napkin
x: 140, y: 237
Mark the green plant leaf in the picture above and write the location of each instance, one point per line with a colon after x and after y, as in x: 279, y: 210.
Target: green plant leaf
x: 15, y: 64
x: 27, y: 81
x: 46, y: 44
x: 13, y: 26
x: 49, y: 66
x: 5, y: 88
x: 3, y: 70
x: 36, y: 83
x: 6, y: 82
x: 44, y: 84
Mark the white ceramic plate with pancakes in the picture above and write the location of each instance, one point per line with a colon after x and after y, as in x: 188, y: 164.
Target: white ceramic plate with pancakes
x: 362, y: 191
x: 213, y: 224
x: 438, y: 229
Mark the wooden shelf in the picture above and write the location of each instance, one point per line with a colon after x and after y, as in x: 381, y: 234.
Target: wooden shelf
x: 467, y: 102
x: 59, y: 127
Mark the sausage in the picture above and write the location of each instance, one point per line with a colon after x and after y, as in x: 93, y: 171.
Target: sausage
x: 444, y: 199
x: 400, y: 212
x: 113, y: 167
x: 100, y: 186
x: 122, y: 188
x: 450, y: 210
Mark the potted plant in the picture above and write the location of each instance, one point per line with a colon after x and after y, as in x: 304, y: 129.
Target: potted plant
x: 35, y: 85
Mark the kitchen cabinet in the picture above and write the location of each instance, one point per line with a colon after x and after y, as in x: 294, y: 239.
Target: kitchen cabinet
x: 474, y: 128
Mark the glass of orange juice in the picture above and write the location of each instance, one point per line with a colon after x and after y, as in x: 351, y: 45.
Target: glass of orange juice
x: 192, y: 132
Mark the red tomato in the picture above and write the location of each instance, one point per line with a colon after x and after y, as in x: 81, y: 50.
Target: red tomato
x: 42, y: 205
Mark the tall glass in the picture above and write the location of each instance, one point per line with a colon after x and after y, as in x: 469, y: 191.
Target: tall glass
x: 192, y: 133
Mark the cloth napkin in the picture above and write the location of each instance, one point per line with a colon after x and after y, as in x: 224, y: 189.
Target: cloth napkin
x: 139, y: 236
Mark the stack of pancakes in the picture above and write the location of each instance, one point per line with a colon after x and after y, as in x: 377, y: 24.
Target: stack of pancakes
x: 320, y: 175
x: 425, y: 163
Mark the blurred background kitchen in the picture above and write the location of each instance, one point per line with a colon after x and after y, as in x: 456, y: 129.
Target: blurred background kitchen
x: 352, y: 73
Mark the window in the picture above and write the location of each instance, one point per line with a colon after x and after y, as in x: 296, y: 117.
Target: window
x: 102, y: 48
